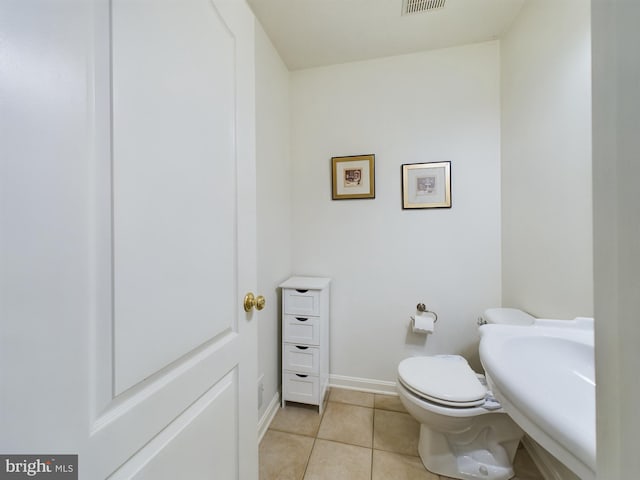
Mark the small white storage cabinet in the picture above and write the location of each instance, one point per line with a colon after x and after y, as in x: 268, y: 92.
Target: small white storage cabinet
x: 305, y: 340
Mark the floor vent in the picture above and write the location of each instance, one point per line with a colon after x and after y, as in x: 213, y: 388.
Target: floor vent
x: 417, y: 6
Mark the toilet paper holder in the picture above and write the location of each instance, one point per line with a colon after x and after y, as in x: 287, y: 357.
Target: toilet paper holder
x: 421, y: 307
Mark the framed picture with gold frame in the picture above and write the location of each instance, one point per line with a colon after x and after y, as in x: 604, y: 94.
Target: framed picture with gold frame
x: 353, y: 177
x: 426, y: 185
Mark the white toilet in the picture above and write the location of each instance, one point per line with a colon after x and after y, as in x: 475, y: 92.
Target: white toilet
x: 464, y: 432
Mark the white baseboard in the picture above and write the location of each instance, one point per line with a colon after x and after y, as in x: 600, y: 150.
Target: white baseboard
x: 267, y: 417
x: 363, y: 384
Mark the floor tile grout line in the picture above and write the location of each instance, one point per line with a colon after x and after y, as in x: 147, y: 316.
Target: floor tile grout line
x: 315, y: 438
x: 396, y: 453
x: 342, y: 443
x: 292, y: 433
x: 306, y: 466
x: 373, y: 436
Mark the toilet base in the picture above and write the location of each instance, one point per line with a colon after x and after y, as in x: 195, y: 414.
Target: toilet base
x: 467, y: 455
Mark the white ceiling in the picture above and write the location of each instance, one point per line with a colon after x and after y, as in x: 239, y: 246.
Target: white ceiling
x: 311, y: 33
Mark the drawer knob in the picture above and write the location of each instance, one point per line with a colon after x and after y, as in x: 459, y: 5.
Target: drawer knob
x: 302, y: 319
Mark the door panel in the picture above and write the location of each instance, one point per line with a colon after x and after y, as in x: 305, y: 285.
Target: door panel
x: 143, y: 412
x: 174, y: 166
x: 200, y: 441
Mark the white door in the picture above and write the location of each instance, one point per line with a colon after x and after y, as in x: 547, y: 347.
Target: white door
x: 127, y: 236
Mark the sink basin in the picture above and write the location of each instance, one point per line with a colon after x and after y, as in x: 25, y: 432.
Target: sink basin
x: 544, y: 376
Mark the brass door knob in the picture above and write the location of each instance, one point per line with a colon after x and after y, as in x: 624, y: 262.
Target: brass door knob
x: 251, y: 301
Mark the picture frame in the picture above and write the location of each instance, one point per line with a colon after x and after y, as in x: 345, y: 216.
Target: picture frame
x: 426, y: 185
x: 353, y: 177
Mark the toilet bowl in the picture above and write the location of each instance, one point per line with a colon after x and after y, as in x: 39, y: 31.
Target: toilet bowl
x: 464, y: 433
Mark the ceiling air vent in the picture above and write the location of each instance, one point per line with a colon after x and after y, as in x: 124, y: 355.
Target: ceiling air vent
x: 417, y: 6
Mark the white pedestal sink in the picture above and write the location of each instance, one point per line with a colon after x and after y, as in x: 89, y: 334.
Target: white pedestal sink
x: 543, y: 374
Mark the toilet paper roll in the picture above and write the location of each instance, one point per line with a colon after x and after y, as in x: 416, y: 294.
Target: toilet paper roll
x: 422, y: 323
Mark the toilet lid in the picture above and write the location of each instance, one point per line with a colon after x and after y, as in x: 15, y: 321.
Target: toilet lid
x: 444, y: 379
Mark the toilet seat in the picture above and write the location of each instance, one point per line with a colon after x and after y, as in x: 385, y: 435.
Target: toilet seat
x: 443, y: 379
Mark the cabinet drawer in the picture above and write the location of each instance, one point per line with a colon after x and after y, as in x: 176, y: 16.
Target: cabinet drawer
x: 300, y: 329
x: 301, y: 359
x: 301, y: 302
x: 301, y: 388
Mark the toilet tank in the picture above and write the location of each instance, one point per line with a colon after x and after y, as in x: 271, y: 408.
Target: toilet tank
x: 506, y: 316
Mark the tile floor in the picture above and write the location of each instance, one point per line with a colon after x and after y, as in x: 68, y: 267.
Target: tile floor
x: 360, y: 436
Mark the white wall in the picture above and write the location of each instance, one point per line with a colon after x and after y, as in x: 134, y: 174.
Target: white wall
x: 616, y: 147
x: 546, y: 160
x: 434, y: 106
x: 274, y: 204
